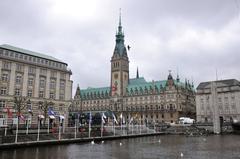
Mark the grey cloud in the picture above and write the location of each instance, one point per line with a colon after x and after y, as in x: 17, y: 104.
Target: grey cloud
x: 194, y: 36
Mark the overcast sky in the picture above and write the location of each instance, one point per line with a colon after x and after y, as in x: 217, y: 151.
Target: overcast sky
x: 195, y: 37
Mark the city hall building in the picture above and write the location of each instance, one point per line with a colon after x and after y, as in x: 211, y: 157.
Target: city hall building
x: 31, y: 82
x: 154, y: 101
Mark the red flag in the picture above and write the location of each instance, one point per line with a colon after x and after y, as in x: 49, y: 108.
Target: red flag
x: 22, y: 117
x: 114, y: 88
x: 9, y: 113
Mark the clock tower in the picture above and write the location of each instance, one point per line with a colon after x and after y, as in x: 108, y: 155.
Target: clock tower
x: 119, y: 65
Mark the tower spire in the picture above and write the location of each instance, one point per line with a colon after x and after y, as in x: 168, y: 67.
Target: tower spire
x: 137, y: 76
x: 120, y: 17
x: 120, y: 48
x: 120, y: 32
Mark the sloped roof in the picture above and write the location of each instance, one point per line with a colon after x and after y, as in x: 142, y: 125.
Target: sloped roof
x: 134, y: 83
x: 95, y: 90
x: 141, y: 83
x: 28, y: 52
x: 228, y: 82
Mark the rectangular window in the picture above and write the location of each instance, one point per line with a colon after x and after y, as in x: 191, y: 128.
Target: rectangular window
x: 53, y: 74
x: 2, y: 104
x: 30, y: 82
x: 5, y: 77
x: 6, y: 52
x: 51, y: 95
x: 61, y: 97
x: 62, y: 84
x: 17, y: 92
x: 7, y: 65
x: 31, y: 70
x: 18, y: 79
x: 19, y: 67
x: 42, y: 83
x: 41, y: 94
x: 30, y: 93
x: 52, y: 84
x: 43, y: 71
x: 62, y: 75
x: 3, y: 91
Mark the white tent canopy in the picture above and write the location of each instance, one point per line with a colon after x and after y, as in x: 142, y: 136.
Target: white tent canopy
x: 41, y: 116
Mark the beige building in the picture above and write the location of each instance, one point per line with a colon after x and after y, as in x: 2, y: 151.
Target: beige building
x: 227, y: 100
x: 34, y: 79
x: 160, y: 101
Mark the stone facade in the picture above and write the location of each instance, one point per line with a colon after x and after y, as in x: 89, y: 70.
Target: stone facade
x: 227, y: 100
x: 159, y: 101
x: 36, y: 78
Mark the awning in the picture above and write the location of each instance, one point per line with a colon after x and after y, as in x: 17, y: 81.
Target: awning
x: 61, y: 117
x: 51, y: 117
x: 41, y: 116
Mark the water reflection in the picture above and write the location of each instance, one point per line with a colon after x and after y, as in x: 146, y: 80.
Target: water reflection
x: 213, y: 147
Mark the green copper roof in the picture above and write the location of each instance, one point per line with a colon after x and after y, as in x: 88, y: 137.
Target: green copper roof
x: 135, y: 84
x: 120, y: 47
x: 97, y: 91
x: 141, y: 83
x: 13, y: 48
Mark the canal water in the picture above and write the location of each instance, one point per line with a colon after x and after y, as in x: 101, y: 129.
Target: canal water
x: 164, y: 147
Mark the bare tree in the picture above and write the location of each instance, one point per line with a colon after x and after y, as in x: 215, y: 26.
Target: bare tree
x: 44, y: 106
x: 20, y: 103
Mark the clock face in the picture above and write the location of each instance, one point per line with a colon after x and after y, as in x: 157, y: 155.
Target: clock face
x: 116, y: 76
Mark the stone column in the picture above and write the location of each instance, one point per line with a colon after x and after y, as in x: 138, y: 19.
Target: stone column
x: 57, y: 85
x: 216, y: 120
x: 25, y: 81
x: 12, y: 79
x: 1, y: 66
x: 47, y: 84
x: 68, y: 88
x: 36, y: 83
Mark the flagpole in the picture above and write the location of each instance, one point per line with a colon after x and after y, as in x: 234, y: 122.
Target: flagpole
x: 75, y: 135
x: 102, y: 126
x: 59, y: 131
x: 121, y: 124
x: 27, y: 127
x: 48, y: 124
x: 5, y: 133
x: 114, y: 127
x: 38, y: 129
x: 140, y: 127
x: 63, y: 126
x: 132, y: 128
x: 147, y: 125
x: 89, y: 124
x: 16, y: 137
x: 154, y: 127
